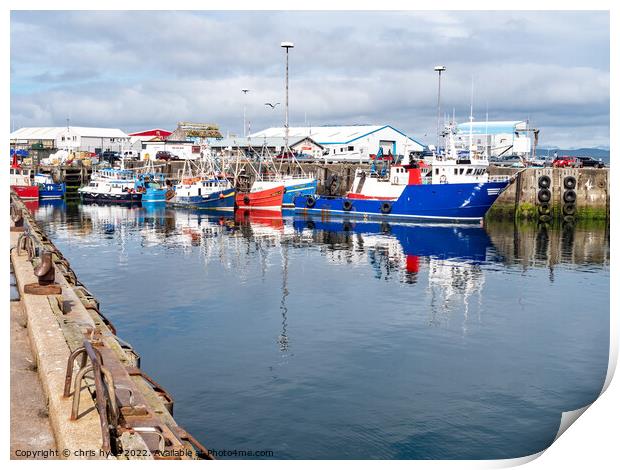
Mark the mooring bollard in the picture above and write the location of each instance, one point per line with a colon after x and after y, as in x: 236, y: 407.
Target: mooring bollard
x: 46, y: 275
x: 18, y: 219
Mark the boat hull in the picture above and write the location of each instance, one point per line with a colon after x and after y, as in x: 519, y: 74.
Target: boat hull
x: 110, y: 198
x: 154, y: 195
x: 269, y: 199
x: 52, y: 190
x: 26, y: 192
x: 466, y: 202
x: 294, y: 189
x: 217, y: 201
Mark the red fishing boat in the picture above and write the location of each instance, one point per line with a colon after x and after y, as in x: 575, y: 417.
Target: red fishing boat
x: 21, y: 181
x: 263, y: 195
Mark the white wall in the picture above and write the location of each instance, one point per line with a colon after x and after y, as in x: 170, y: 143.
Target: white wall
x: 370, y: 144
x: 185, y: 150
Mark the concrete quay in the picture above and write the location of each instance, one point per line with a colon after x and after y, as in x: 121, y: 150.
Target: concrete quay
x: 119, y: 412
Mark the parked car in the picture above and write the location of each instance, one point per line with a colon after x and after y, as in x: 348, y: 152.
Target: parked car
x: 110, y: 156
x: 591, y: 162
x: 512, y: 161
x: 165, y: 156
x: 285, y: 155
x: 131, y: 155
x: 566, y: 161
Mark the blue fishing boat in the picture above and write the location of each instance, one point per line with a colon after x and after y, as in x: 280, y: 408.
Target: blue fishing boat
x: 445, y: 188
x: 48, y: 189
x: 294, y: 187
x: 204, y: 193
x: 152, y: 186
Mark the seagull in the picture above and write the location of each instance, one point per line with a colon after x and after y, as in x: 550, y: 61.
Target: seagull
x: 273, y: 106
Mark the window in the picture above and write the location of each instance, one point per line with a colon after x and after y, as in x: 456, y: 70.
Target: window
x: 436, y: 171
x: 456, y: 171
x: 469, y: 171
x: 350, y: 148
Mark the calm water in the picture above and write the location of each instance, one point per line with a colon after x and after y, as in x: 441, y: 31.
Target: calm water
x: 351, y: 340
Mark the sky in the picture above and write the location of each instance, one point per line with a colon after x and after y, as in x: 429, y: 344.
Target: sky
x: 138, y: 70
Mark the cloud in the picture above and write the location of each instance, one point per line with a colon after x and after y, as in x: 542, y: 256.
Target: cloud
x: 151, y: 69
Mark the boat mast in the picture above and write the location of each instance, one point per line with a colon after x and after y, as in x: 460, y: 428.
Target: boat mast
x: 471, y: 118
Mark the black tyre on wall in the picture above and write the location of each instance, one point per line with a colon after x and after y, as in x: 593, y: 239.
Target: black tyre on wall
x: 544, y: 195
x: 570, y: 196
x: 347, y: 205
x: 544, y: 182
x: 569, y: 209
x: 544, y: 209
x: 310, y: 202
x: 570, y: 182
x: 386, y: 208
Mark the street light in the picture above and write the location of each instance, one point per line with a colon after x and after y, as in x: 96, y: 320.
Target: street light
x: 245, y: 92
x: 439, y: 69
x: 287, y: 46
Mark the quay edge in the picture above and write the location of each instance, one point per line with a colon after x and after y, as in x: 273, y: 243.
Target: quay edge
x: 61, y: 324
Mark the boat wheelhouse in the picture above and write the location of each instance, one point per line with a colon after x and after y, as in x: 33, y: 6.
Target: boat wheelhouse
x: 48, y: 189
x: 21, y: 181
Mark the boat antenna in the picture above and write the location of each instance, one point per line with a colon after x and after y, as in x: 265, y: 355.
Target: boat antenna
x: 486, y: 133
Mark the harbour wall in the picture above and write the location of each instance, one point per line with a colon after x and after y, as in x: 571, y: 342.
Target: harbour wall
x: 101, y: 405
x: 519, y: 201
x: 524, y: 199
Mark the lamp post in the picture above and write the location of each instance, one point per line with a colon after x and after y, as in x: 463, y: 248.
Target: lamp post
x: 439, y: 69
x: 245, y: 92
x: 286, y: 46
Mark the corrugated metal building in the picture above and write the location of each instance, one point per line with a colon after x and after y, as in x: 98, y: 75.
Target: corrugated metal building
x: 342, y: 141
x: 275, y: 145
x: 89, y: 139
x: 500, y: 138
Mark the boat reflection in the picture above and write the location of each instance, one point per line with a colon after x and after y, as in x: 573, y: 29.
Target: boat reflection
x: 397, y: 247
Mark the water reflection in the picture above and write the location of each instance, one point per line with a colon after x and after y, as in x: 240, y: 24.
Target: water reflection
x: 391, y: 250
x: 437, y: 329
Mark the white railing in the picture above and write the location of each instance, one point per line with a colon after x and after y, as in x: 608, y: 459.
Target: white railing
x: 499, y: 178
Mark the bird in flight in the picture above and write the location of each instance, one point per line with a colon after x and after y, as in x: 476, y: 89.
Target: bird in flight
x: 273, y: 106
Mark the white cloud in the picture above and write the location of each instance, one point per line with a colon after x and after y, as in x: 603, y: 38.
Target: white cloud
x: 150, y: 69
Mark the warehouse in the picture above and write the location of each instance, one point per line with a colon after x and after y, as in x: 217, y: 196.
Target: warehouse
x: 273, y: 145
x: 343, y: 143
x: 497, y: 138
x: 82, y: 139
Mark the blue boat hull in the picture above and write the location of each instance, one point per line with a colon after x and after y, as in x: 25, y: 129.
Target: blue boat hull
x: 467, y: 202
x: 154, y: 195
x: 52, y: 191
x: 465, y: 241
x: 291, y: 191
x: 218, y: 201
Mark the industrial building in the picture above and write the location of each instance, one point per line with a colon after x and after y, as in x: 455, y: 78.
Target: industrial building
x: 350, y: 142
x: 274, y: 145
x: 497, y: 138
x: 79, y: 139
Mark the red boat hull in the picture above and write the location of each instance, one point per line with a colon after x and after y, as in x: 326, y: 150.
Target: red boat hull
x: 26, y: 192
x: 267, y: 199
